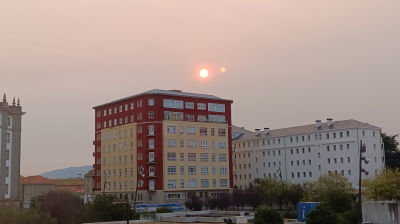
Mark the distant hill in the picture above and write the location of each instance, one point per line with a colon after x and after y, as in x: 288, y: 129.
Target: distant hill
x: 71, y: 172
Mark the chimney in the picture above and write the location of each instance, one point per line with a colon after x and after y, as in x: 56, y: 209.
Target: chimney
x: 266, y: 130
x: 257, y: 131
x: 330, y: 121
x: 318, y: 123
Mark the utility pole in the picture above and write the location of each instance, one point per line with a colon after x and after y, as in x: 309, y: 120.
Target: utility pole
x: 139, y: 173
x: 279, y: 171
x: 366, y: 171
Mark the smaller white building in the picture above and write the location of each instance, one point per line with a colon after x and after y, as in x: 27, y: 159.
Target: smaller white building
x: 304, y: 153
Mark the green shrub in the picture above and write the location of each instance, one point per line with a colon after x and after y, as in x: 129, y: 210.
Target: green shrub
x: 322, y: 214
x: 163, y: 210
x: 267, y: 215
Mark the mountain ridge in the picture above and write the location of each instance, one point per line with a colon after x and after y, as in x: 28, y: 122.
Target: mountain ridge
x: 70, y: 172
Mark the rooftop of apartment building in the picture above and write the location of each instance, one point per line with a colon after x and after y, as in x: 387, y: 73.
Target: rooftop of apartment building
x: 69, y: 181
x: 168, y: 93
x: 90, y: 173
x: 239, y: 129
x: 337, y: 125
x: 35, y: 180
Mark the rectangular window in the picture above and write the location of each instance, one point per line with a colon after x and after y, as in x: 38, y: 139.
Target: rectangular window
x: 181, y: 130
x: 201, y: 106
x: 189, y: 117
x: 204, y: 183
x: 171, y: 143
x: 222, y: 144
x: 203, y: 131
x: 151, y: 102
x: 216, y: 119
x: 182, y: 170
x: 175, y: 116
x: 191, y: 170
x: 192, y: 183
x: 151, y: 114
x: 189, y: 105
x: 203, y: 144
x: 191, y: 130
x: 182, y: 183
x: 191, y: 143
x: 191, y: 156
x: 173, y: 104
x: 204, y: 157
x: 171, y: 129
x: 213, y: 157
x: 221, y: 132
x: 348, y: 146
x: 223, y: 183
x: 222, y: 157
x: 213, y: 144
x: 214, y: 170
x: 172, y: 184
x: 171, y: 156
x: 181, y: 143
x: 201, y: 118
x: 223, y: 170
x: 171, y: 169
x: 182, y: 156
x: 204, y: 170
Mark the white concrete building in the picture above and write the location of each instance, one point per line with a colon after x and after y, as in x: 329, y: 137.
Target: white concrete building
x: 305, y: 152
x: 10, y: 149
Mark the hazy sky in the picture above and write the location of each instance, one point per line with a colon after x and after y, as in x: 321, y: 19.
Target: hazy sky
x: 287, y: 63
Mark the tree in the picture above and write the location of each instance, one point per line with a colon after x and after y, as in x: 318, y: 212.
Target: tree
x: 194, y: 203
x: 333, y: 189
x: 383, y: 186
x: 238, y: 198
x: 390, y: 142
x: 253, y: 194
x: 103, y: 209
x: 294, y: 193
x: 322, y: 214
x: 267, y: 215
x: 269, y: 189
x: 224, y: 201
x: 211, y: 202
x: 63, y: 206
x: 12, y: 215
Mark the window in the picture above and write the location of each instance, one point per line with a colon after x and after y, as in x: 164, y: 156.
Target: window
x: 222, y: 132
x: 191, y: 143
x: 191, y: 170
x: 189, y: 105
x: 223, y: 183
x: 329, y: 161
x: 203, y: 144
x: 151, y: 102
x: 203, y: 131
x: 191, y: 156
x: 151, y: 114
x: 132, y: 118
x: 204, y: 183
x: 349, y: 172
x: 8, y: 138
x: 191, y: 130
x: 132, y: 106
x: 171, y: 156
x: 204, y: 170
x: 172, y: 184
x: 291, y: 152
x: 214, y: 170
x: 222, y: 144
x: 171, y: 169
x: 222, y: 157
x: 189, y: 117
x: 309, y: 162
x: 201, y: 118
x: 204, y: 157
x: 192, y: 183
x: 348, y: 159
x: 173, y: 104
x: 182, y: 183
x: 213, y: 144
x: 182, y: 170
x: 181, y: 130
x: 335, y: 159
x: 348, y: 133
x: 216, y: 119
x: 223, y: 170
x: 175, y: 116
x: 341, y: 160
x: 319, y: 167
x: 213, y: 157
x: 348, y: 146
x: 181, y: 143
x: 171, y: 143
x: 201, y: 106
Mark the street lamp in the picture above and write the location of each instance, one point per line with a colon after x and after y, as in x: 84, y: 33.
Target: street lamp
x: 363, y: 149
x: 127, y: 209
x: 279, y: 172
x: 139, y: 173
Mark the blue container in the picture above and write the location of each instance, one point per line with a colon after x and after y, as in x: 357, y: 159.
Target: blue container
x: 303, y: 208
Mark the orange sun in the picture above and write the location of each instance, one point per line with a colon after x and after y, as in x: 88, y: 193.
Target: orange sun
x: 204, y: 73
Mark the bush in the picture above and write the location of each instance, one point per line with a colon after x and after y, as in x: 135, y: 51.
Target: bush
x: 322, y: 214
x: 350, y: 216
x: 163, y: 210
x: 12, y: 215
x: 267, y: 215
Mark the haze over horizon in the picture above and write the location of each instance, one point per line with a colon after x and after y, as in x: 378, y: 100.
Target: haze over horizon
x: 287, y: 63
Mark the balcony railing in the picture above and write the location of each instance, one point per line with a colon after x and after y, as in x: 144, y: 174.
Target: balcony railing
x: 151, y: 133
x: 151, y: 174
x: 151, y: 188
x: 151, y: 161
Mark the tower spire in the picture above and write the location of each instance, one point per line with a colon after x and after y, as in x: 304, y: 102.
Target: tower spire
x: 18, y: 102
x: 4, y: 98
x: 13, y: 101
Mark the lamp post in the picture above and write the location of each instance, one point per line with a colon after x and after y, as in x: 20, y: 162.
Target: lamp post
x: 366, y: 171
x: 139, y: 173
x: 127, y: 209
x: 279, y: 172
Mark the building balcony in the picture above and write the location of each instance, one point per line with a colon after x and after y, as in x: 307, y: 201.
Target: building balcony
x: 151, y: 134
x: 151, y: 161
x: 151, y: 175
x: 151, y: 147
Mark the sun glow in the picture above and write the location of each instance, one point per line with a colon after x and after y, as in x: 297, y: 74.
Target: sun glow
x: 204, y: 73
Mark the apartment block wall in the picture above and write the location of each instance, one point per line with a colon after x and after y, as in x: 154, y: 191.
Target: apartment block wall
x: 301, y: 161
